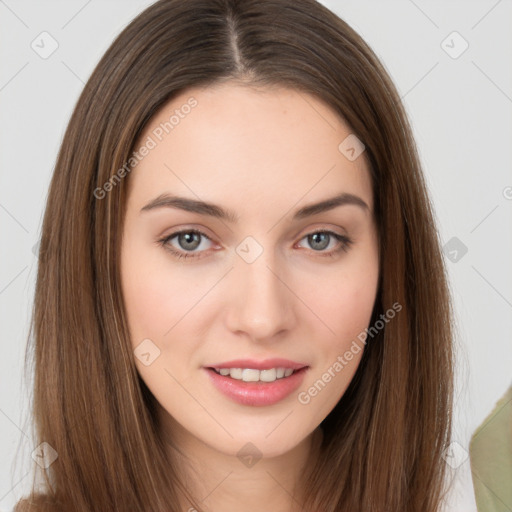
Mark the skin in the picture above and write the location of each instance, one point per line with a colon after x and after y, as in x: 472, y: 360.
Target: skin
x: 263, y: 154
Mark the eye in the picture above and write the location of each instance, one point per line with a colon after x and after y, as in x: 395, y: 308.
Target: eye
x: 320, y: 240
x: 188, y: 241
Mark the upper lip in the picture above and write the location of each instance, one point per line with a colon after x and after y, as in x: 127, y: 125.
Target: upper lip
x: 259, y: 365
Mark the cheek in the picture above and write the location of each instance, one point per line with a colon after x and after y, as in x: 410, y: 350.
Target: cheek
x: 344, y: 301
x: 350, y: 308
x: 145, y: 299
x: 157, y: 299
x: 345, y: 305
x: 162, y: 301
x: 151, y: 302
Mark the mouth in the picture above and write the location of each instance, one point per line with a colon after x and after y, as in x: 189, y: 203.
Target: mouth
x: 247, y: 385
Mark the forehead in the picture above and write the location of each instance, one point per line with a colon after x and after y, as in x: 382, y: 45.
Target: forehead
x: 239, y: 143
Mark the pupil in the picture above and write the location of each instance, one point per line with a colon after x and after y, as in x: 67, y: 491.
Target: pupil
x: 191, y: 240
x: 322, y: 244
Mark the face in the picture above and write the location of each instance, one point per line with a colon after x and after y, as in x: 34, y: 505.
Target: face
x: 258, y: 276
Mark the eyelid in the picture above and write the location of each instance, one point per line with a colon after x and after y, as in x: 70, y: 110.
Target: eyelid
x: 320, y: 228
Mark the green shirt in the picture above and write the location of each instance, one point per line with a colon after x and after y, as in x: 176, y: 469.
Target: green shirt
x: 490, y: 453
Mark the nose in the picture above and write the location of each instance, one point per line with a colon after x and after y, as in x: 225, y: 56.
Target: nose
x: 261, y: 300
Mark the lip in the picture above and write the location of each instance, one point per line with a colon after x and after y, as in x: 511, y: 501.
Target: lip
x: 256, y: 394
x: 266, y: 364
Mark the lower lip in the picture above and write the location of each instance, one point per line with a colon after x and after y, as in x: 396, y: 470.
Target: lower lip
x: 257, y: 393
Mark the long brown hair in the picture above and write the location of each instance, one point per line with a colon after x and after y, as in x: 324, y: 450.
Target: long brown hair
x: 383, y: 443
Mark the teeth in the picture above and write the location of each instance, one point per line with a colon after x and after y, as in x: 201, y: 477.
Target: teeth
x: 236, y: 373
x: 249, y: 375
x: 252, y: 375
x: 268, y: 375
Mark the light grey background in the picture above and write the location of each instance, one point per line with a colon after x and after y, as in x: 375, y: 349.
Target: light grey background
x: 460, y: 109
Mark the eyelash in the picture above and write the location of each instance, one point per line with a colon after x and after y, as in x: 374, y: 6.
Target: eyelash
x: 345, y: 244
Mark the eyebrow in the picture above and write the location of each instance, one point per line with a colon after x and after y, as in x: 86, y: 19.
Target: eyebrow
x: 213, y: 210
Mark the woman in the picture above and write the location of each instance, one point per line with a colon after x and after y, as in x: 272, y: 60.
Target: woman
x: 241, y: 300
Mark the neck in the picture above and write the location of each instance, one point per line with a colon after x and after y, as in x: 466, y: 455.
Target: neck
x: 220, y: 481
